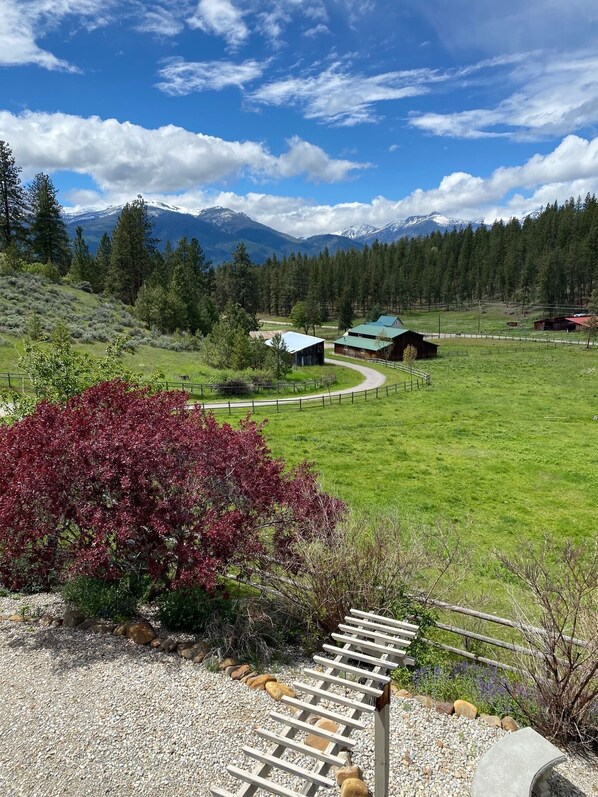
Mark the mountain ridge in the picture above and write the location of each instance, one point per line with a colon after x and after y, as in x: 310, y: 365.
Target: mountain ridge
x: 219, y: 230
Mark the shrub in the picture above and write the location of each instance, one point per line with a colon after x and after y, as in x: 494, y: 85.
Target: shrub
x: 118, y: 482
x: 192, y: 609
x: 488, y: 689
x: 332, y: 567
x: 233, y: 385
x: 96, y: 597
x: 562, y: 632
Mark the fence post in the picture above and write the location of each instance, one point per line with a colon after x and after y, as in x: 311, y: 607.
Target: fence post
x: 381, y: 743
x: 253, y: 405
x: 323, y: 401
x: 229, y: 410
x: 9, y: 385
x: 299, y: 403
x: 377, y: 393
x: 277, y: 410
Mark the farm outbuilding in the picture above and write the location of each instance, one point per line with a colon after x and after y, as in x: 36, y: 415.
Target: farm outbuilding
x: 306, y: 349
x: 580, y: 322
x: 554, y: 324
x: 382, y: 341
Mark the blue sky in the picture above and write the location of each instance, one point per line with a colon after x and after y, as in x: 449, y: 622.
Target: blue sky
x: 308, y: 115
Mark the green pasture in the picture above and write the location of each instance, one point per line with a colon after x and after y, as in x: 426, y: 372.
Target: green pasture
x: 173, y: 364
x: 487, y: 319
x: 502, y: 444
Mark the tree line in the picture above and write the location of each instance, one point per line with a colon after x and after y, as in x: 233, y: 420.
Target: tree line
x: 549, y: 259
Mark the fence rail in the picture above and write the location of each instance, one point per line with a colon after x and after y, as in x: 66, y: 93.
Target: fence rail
x: 405, y: 368
x: 331, y: 399
x: 516, y: 338
x: 21, y: 382
x: 465, y: 635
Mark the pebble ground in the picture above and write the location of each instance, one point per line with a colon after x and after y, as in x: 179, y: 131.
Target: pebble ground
x: 85, y: 715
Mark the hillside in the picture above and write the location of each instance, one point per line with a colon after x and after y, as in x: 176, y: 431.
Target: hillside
x: 90, y: 318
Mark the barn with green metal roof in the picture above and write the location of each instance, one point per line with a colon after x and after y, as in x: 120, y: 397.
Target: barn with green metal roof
x: 384, y: 339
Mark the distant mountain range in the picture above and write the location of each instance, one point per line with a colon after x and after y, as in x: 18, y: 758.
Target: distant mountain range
x: 220, y: 230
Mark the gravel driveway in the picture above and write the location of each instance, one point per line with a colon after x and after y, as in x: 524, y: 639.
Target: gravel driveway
x: 84, y: 715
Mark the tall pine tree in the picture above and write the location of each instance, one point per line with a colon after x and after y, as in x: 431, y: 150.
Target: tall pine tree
x: 131, y: 258
x: 12, y: 200
x: 48, y: 237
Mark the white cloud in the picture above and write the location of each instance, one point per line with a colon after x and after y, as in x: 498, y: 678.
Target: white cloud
x: 571, y: 169
x: 159, y: 21
x: 339, y: 97
x: 23, y: 22
x: 222, y: 18
x: 557, y: 95
x: 512, y: 26
x: 181, y: 77
x: 121, y: 156
x: 318, y: 30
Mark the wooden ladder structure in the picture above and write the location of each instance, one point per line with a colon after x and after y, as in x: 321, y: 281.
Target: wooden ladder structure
x: 370, y: 647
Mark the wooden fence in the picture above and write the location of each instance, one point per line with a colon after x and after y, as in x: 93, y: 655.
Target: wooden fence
x: 475, y: 645
x: 21, y: 383
x: 309, y: 402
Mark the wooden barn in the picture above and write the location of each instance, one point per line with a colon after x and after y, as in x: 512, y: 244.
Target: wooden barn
x: 555, y: 324
x: 306, y: 349
x: 381, y: 341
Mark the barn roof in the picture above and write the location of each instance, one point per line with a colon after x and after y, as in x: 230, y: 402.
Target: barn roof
x: 368, y: 344
x: 389, y: 320
x: 582, y: 320
x: 376, y: 329
x: 297, y: 341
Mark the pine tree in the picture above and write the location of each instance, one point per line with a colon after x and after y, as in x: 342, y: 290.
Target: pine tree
x: 102, y: 263
x: 345, y: 312
x: 12, y: 200
x: 244, y: 282
x: 131, y: 258
x: 48, y: 240
x: 82, y: 264
x: 48, y: 236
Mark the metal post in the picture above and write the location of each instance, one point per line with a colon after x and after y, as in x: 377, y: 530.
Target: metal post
x: 382, y: 743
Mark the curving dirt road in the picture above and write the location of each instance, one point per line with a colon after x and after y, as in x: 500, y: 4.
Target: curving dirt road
x: 372, y: 379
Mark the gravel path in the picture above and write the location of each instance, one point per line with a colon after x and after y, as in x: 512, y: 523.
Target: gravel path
x: 89, y: 715
x: 371, y: 379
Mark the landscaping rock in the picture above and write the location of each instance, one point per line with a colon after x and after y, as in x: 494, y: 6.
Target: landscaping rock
x: 444, y: 708
x: 141, y: 633
x: 246, y: 678
x: 425, y: 700
x: 241, y: 672
x: 317, y: 742
x: 465, y: 709
x: 226, y: 663
x: 87, y: 624
x: 192, y: 652
x: 101, y: 628
x: 261, y: 681
x: 72, y: 618
x: 121, y: 629
x: 491, y: 720
x: 353, y: 787
x: 404, y: 693
x: 155, y: 643
x: 16, y: 618
x: 168, y: 645
x: 346, y: 772
x: 277, y: 690
x: 509, y: 724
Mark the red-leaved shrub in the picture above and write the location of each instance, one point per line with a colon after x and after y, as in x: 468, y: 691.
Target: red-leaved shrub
x: 119, y: 482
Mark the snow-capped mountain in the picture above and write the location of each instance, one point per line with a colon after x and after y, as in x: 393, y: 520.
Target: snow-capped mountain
x: 411, y: 227
x: 218, y: 230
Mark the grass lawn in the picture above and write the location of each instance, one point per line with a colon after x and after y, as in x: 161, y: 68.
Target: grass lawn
x: 502, y: 445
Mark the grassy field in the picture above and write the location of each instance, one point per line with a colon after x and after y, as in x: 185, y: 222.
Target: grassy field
x: 147, y: 359
x: 501, y: 444
x: 489, y: 319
